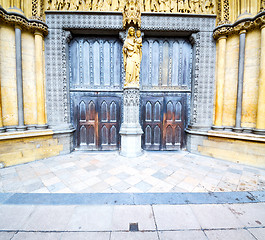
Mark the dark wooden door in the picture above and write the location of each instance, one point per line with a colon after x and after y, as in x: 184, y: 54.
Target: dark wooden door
x: 109, y: 122
x: 163, y: 122
x: 173, y: 123
x: 97, y: 120
x: 152, y: 115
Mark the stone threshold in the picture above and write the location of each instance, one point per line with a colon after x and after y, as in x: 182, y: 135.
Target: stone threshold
x: 177, y: 198
x: 231, y: 135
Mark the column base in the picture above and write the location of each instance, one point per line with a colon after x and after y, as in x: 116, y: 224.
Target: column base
x: 11, y: 128
x: 21, y: 128
x: 228, y: 128
x: 259, y: 131
x: 2, y: 129
x: 41, y: 126
x: 131, y: 141
x: 31, y: 127
x: 218, y: 128
x: 247, y: 130
x: 237, y: 130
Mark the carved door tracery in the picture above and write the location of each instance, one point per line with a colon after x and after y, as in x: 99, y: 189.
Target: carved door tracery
x: 97, y: 121
x: 163, y: 122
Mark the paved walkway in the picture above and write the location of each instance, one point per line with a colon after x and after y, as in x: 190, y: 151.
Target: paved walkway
x: 146, y: 222
x: 158, y: 196
x: 108, y: 172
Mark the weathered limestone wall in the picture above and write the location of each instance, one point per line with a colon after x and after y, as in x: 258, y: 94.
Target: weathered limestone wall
x: 230, y: 88
x: 17, y: 148
x: 251, y: 79
x: 23, y: 121
x: 239, y: 119
x: 29, y: 83
x: 8, y: 75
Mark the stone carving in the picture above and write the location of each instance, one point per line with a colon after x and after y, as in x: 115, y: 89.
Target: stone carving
x: 204, y: 50
x: 262, y: 5
x: 132, y: 55
x: 174, y: 6
x: 132, y: 13
x: 29, y: 24
x: 229, y: 29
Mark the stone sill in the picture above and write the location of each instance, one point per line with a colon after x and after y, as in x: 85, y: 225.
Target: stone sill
x: 231, y: 135
x: 25, y: 134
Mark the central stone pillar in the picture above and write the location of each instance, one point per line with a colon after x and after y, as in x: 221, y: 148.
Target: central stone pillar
x: 131, y: 130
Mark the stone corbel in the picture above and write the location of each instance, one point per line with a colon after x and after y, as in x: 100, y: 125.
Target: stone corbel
x: 68, y: 36
x: 192, y: 39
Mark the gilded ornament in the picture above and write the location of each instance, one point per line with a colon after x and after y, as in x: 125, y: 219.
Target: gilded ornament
x: 132, y: 13
x: 132, y: 55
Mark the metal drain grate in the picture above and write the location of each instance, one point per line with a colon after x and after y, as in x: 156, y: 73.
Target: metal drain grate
x: 133, y: 227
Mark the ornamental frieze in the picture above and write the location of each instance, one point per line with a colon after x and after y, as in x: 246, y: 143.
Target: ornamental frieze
x: 244, y: 24
x: 23, y: 22
x: 168, y: 6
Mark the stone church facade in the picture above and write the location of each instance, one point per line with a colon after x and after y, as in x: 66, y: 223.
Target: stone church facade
x: 202, y: 78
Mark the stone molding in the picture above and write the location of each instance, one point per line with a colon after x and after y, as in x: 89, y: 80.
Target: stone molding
x: 56, y: 54
x: 246, y: 24
x: 20, y: 20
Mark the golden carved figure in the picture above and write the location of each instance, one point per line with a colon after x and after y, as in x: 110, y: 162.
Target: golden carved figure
x: 195, y: 6
x: 115, y: 5
x: 147, y: 6
x: 132, y: 55
x: 132, y: 13
x: 164, y: 6
x: 174, y: 6
x: 154, y: 6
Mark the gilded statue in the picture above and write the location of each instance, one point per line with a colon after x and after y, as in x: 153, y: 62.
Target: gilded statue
x: 132, y: 55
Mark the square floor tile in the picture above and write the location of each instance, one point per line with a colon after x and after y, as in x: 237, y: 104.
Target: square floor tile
x: 250, y: 214
x: 49, y: 218
x: 134, y: 236
x: 123, y: 215
x: 238, y: 234
x: 215, y: 216
x: 37, y: 236
x: 91, y: 218
x: 172, y: 217
x: 12, y: 217
x: 259, y: 233
x: 182, y: 235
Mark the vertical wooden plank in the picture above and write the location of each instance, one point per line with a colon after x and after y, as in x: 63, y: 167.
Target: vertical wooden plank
x: 86, y: 63
x: 106, y: 64
x: 165, y: 63
x: 155, y: 63
x: 96, y: 63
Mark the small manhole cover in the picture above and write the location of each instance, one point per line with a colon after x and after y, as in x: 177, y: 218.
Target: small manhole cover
x: 134, y: 227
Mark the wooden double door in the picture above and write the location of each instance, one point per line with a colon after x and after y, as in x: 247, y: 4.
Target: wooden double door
x: 97, y: 121
x: 163, y: 122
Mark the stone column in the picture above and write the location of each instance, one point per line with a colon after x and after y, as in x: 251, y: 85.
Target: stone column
x: 2, y: 129
x: 219, y: 101
x: 41, y: 113
x: 260, y: 125
x: 241, y: 62
x: 20, y: 105
x: 131, y: 130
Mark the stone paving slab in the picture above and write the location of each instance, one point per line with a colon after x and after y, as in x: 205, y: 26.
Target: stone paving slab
x: 163, y: 222
x: 131, y: 198
x: 108, y: 172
